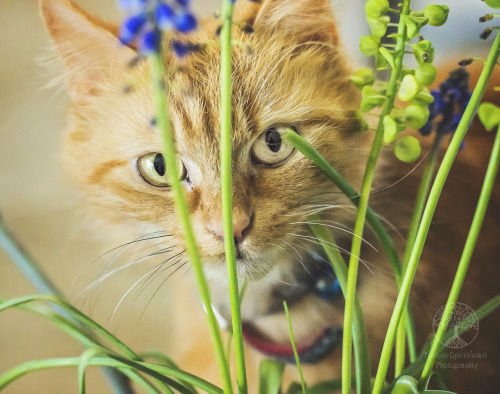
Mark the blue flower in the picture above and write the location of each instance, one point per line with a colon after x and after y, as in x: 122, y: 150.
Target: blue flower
x: 450, y: 101
x: 148, y: 19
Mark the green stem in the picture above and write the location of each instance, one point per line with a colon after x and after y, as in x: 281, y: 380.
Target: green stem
x: 463, y: 265
x: 430, y: 207
x: 415, y: 368
x: 227, y: 189
x: 376, y: 225
x: 294, y: 347
x: 423, y: 191
x: 163, y: 124
x: 364, y: 196
x: 361, y: 350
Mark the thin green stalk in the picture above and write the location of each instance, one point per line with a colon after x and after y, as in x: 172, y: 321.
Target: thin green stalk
x: 430, y: 207
x: 361, y: 350
x: 423, y: 191
x: 364, y: 196
x: 227, y: 189
x: 294, y: 348
x: 415, y: 368
x: 376, y: 225
x: 163, y: 124
x: 463, y: 265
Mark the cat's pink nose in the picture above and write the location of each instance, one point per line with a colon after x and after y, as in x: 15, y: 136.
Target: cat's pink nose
x: 241, y: 225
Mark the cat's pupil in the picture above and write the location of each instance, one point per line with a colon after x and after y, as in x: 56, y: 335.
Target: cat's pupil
x: 273, y: 140
x: 159, y: 164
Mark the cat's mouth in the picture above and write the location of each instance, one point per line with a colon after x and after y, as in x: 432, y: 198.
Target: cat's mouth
x: 314, y: 351
x: 314, y: 298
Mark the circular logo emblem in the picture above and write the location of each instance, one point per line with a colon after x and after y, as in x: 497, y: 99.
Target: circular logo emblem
x: 463, y: 316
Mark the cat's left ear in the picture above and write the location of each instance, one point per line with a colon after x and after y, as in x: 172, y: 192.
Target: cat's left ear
x: 299, y: 21
x: 89, y: 49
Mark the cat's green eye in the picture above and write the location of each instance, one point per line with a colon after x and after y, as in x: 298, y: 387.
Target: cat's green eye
x: 153, y: 170
x: 270, y: 149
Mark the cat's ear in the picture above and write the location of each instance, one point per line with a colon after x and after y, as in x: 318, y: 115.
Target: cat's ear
x: 299, y: 21
x: 89, y: 49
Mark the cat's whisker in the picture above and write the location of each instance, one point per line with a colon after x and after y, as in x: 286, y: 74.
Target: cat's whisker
x: 162, y: 267
x: 106, y: 275
x: 341, y: 229
x: 163, y: 282
x: 141, y: 279
x: 317, y: 241
x: 146, y: 237
x: 176, y: 283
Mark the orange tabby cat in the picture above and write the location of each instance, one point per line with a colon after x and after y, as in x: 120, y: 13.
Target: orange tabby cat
x: 294, y: 76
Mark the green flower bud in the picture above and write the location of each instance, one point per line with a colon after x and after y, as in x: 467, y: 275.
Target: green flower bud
x: 423, y: 51
x: 368, y: 45
x: 493, y: 3
x: 409, y: 88
x: 380, y: 62
x: 437, y: 14
x: 371, y: 99
x: 414, y: 24
x: 425, y: 74
x: 406, y: 149
x: 416, y: 116
x: 424, y: 98
x: 406, y: 384
x: 363, y: 77
x: 390, y: 129
x: 376, y: 8
x: 489, y: 114
x: 379, y: 25
x: 389, y: 56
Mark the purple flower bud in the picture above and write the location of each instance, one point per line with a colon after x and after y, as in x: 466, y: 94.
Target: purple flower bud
x: 131, y: 28
x: 164, y: 15
x: 150, y: 42
x: 183, y: 3
x: 185, y: 22
x: 180, y: 49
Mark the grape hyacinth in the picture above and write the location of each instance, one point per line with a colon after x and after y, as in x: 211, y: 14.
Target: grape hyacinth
x: 147, y: 19
x: 450, y: 101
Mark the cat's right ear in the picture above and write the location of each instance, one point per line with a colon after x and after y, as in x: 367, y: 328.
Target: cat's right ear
x: 89, y: 49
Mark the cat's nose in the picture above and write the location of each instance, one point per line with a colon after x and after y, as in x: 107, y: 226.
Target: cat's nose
x: 241, y: 225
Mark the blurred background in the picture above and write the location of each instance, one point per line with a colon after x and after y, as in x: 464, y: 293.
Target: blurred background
x: 40, y: 207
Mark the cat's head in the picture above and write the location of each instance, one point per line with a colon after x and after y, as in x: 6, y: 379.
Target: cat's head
x: 289, y: 72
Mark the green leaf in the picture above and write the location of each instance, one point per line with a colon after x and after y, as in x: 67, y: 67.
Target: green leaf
x: 416, y: 116
x: 438, y: 392
x: 270, y: 376
x: 388, y: 55
x: 489, y: 114
x: 368, y: 45
x: 423, y: 51
x: 406, y: 384
x: 390, y: 129
x: 407, y: 149
x: 380, y: 62
x: 379, y: 25
x: 371, y: 99
x: 363, y: 77
x: 409, y: 88
x: 425, y: 74
x: 493, y: 3
x: 437, y: 14
x: 414, y: 24
x: 376, y: 8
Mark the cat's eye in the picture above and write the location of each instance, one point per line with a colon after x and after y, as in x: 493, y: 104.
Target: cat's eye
x: 270, y: 149
x: 153, y: 169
